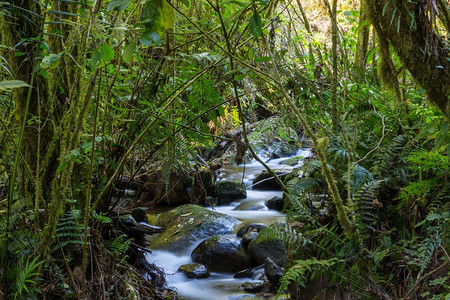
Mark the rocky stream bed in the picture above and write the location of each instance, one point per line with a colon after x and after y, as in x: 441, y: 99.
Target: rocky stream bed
x: 213, y: 252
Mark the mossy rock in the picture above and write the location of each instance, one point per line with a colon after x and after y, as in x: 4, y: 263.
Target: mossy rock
x: 194, y: 271
x: 227, y: 191
x: 187, y: 224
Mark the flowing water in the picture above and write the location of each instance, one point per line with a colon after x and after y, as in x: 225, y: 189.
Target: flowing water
x: 222, y: 286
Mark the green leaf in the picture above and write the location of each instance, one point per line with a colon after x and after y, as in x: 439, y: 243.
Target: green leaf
x: 12, y: 84
x: 251, y: 53
x: 128, y: 52
x: 102, y: 56
x: 150, y: 39
x: 117, y: 5
x: 157, y: 16
x: 62, y: 166
x: 433, y: 217
x: 265, y: 58
x: 51, y: 61
x: 255, y: 25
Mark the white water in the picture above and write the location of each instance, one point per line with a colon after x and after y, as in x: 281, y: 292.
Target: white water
x: 222, y: 286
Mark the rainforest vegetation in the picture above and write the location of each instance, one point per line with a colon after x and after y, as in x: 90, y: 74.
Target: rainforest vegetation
x: 100, y: 98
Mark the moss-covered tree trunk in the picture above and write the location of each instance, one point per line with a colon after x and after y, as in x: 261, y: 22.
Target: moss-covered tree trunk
x: 406, y: 25
x: 362, y: 44
x: 21, y: 30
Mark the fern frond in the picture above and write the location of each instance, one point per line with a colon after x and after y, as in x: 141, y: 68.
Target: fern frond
x: 120, y: 245
x: 284, y: 233
x: 366, y: 201
x: 298, y: 273
x: 390, y: 154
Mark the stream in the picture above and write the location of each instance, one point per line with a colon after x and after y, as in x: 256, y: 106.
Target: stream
x: 222, y: 286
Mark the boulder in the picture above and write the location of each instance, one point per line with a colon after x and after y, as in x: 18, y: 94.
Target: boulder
x: 228, y: 191
x: 250, y: 227
x: 222, y: 254
x: 275, y: 203
x: 187, y: 224
x: 273, y: 271
x: 196, y: 271
x: 266, y: 182
x: 259, y: 251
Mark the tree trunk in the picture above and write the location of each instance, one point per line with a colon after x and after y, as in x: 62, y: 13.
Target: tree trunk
x: 407, y: 27
x: 362, y: 43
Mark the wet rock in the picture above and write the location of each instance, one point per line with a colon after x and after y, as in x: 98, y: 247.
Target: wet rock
x: 253, y: 287
x: 259, y: 251
x: 194, y: 271
x: 273, y: 271
x: 222, y: 254
x: 250, y: 227
x: 248, y: 237
x: 139, y: 214
x: 227, y: 191
x: 187, y: 224
x: 253, y: 273
x: 275, y: 203
x: 250, y: 205
x: 265, y: 181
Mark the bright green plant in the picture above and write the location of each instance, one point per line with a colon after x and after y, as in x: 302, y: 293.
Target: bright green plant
x: 27, y: 279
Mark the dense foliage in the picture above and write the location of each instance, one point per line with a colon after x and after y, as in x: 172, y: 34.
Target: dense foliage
x: 92, y: 90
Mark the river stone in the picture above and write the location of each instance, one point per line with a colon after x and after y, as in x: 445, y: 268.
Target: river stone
x: 187, y: 224
x: 250, y: 205
x: 275, y: 203
x: 259, y: 251
x: 253, y: 287
x: 194, y: 271
x: 273, y: 271
x: 250, y: 227
x: 222, y: 254
x: 264, y: 181
x: 228, y: 191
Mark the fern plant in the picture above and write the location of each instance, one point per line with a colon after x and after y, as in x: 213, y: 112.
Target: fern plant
x: 298, y: 273
x: 119, y: 247
x: 28, y: 276
x: 70, y: 230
